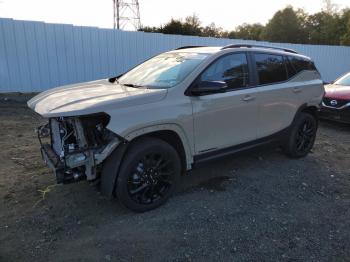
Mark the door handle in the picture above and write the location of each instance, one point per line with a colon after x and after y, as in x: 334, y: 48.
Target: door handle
x: 297, y: 90
x: 248, y: 98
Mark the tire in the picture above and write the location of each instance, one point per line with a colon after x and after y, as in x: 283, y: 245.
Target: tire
x: 148, y: 175
x: 302, y: 136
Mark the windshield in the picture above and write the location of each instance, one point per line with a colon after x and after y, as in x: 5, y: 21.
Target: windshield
x: 344, y: 80
x: 163, y: 71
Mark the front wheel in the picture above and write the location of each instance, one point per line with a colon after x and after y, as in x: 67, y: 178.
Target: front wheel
x: 302, y: 136
x: 148, y: 175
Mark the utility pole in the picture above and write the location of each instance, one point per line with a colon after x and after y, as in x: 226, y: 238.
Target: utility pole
x: 126, y: 14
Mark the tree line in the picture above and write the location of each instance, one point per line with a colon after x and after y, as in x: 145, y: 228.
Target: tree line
x: 330, y: 26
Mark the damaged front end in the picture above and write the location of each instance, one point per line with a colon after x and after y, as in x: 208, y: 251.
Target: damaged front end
x: 75, y: 147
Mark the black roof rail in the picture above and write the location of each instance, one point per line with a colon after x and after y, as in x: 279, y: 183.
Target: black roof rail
x: 189, y: 46
x: 261, y: 46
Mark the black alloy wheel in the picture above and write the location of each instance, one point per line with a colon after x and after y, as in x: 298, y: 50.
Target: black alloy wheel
x: 148, y: 175
x: 305, y: 137
x: 302, y: 136
x: 151, y: 178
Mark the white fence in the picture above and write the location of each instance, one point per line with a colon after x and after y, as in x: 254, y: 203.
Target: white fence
x: 36, y: 56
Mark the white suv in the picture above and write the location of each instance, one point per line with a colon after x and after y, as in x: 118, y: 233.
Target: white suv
x: 137, y: 133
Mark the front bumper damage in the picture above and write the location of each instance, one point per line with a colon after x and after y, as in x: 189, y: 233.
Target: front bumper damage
x: 78, y: 160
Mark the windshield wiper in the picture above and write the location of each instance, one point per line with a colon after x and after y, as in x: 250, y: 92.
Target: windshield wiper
x: 132, y: 85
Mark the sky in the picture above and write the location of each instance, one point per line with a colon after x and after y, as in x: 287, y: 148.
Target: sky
x: 227, y: 14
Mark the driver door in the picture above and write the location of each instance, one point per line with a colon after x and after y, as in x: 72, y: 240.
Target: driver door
x: 229, y: 118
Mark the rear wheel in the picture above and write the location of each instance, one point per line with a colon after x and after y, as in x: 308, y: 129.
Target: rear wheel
x: 148, y: 175
x: 302, y: 136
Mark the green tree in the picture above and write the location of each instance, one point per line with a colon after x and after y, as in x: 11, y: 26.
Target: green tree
x: 150, y: 29
x: 330, y: 26
x: 249, y: 31
x: 329, y: 7
x: 192, y: 25
x: 174, y: 27
x: 286, y: 26
x: 345, y: 20
x: 212, y: 31
x: 231, y: 35
x: 325, y: 28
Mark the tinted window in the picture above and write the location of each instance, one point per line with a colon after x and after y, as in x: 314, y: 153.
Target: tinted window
x: 290, y: 69
x: 271, y: 68
x: 232, y: 69
x: 300, y: 64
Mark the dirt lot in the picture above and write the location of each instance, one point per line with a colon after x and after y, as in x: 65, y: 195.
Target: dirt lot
x: 258, y: 206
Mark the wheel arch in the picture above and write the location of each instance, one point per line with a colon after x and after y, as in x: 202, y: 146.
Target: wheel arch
x: 289, y: 141
x: 306, y: 108
x: 169, y: 133
x: 311, y: 109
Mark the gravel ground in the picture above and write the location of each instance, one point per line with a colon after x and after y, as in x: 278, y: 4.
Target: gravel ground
x: 259, y: 206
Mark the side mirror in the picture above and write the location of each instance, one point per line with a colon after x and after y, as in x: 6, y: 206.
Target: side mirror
x: 209, y: 87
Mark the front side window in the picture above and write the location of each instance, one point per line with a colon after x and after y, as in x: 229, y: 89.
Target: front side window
x: 343, y: 81
x: 163, y: 71
x: 271, y: 68
x: 232, y: 69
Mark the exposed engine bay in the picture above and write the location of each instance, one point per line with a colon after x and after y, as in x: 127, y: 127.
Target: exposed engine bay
x: 74, y: 147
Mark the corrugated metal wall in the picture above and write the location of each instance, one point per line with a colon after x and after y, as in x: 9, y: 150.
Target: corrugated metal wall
x: 36, y: 56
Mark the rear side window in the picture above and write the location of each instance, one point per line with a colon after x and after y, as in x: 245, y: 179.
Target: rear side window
x: 271, y: 68
x: 290, y: 69
x: 300, y: 64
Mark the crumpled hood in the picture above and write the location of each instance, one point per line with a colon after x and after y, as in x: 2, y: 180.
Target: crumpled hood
x: 337, y: 92
x: 91, y: 97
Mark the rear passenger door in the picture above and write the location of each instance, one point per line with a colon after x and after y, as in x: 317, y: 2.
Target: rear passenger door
x: 277, y: 97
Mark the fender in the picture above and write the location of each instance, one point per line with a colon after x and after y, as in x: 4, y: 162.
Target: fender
x: 170, y: 127
x: 304, y: 107
x: 111, y: 165
x: 300, y: 109
x: 110, y: 169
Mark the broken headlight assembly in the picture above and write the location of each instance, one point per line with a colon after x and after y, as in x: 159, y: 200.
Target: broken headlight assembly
x: 74, y: 147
